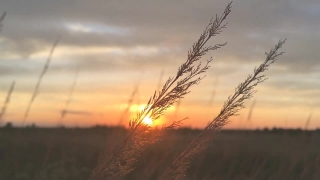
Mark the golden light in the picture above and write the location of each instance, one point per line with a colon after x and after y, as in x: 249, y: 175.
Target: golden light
x: 148, y: 121
x: 137, y: 107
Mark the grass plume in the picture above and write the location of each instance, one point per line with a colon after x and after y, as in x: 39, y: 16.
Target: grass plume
x: 6, y: 102
x: 141, y: 135
x: 244, y: 91
x: 36, y: 89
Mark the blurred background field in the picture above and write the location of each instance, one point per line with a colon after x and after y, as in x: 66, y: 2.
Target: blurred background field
x: 71, y: 153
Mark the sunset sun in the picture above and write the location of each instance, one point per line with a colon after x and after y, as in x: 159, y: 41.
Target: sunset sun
x: 147, y: 121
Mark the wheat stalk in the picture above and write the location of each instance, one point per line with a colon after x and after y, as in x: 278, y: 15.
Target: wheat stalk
x: 141, y: 135
x: 244, y: 91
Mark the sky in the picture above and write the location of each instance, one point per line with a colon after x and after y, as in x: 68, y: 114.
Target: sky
x: 107, y: 49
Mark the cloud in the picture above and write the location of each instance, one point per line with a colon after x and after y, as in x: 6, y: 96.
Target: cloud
x: 254, y: 26
x: 74, y: 112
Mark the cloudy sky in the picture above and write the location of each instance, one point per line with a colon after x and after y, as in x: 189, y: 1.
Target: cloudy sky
x: 107, y: 48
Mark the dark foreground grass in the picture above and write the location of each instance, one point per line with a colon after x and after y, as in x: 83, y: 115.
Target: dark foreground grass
x: 71, y: 154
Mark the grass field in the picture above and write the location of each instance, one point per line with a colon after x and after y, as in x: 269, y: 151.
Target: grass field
x: 71, y: 154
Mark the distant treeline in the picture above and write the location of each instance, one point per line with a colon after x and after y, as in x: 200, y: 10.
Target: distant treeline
x: 181, y: 130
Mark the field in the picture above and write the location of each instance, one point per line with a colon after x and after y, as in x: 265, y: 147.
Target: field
x: 72, y: 154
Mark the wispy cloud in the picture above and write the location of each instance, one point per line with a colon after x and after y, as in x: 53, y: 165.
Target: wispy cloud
x: 75, y: 112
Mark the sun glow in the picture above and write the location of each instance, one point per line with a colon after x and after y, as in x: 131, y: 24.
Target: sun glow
x: 140, y: 107
x: 137, y: 107
x: 148, y: 121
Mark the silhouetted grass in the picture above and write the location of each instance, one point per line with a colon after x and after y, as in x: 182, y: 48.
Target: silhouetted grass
x: 141, y: 135
x: 6, y: 102
x: 64, y: 112
x: 244, y: 91
x: 36, y: 89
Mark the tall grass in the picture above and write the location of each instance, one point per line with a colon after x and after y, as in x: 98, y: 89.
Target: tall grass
x: 253, y: 105
x: 1, y: 20
x: 160, y: 80
x: 244, y: 91
x: 129, y: 104
x: 308, y: 120
x: 37, y: 87
x: 213, y: 92
x: 178, y: 104
x: 64, y: 111
x: 6, y: 102
x: 142, y: 135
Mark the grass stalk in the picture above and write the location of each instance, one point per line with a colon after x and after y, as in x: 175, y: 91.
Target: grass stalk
x: 6, y: 102
x: 37, y: 87
x: 213, y: 92
x: 249, y: 122
x: 129, y: 104
x: 1, y: 20
x: 73, y: 86
x: 308, y: 120
x: 160, y: 80
x: 244, y: 91
x: 142, y: 135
